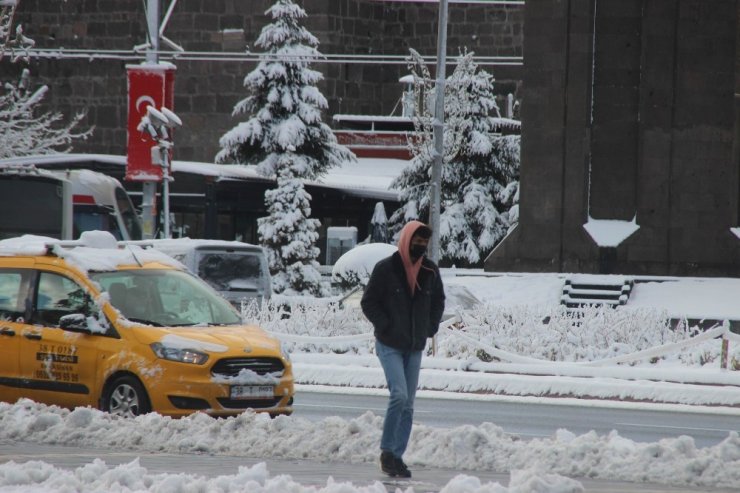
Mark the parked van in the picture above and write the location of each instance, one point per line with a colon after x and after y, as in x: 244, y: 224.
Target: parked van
x: 63, y: 203
x: 128, y: 330
x: 238, y: 271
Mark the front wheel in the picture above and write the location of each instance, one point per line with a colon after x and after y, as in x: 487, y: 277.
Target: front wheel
x: 126, y: 397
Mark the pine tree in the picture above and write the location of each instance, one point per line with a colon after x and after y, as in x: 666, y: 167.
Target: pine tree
x: 284, y: 106
x: 23, y: 131
x: 286, y: 138
x: 479, y: 177
x: 290, y: 235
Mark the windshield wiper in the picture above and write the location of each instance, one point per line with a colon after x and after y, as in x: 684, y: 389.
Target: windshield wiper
x: 145, y: 321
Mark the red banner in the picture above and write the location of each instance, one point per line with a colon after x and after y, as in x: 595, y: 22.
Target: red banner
x: 148, y: 85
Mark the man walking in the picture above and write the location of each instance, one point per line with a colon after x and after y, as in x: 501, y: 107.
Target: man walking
x: 404, y: 300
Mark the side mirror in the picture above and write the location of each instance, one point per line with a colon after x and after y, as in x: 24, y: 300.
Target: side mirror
x: 75, y: 322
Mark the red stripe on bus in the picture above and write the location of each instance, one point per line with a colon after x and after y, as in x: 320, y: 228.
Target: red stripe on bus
x: 83, y: 199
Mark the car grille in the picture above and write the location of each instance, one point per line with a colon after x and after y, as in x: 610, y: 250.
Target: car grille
x: 230, y: 367
x: 246, y: 404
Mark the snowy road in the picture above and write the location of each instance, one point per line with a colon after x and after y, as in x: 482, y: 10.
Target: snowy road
x: 534, y: 417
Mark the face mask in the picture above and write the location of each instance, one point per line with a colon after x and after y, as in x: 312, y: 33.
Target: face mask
x: 417, y: 251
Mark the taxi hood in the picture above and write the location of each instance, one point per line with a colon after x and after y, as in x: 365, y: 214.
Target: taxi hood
x: 220, y: 340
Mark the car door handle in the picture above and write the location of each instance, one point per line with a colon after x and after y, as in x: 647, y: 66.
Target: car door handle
x: 7, y: 331
x: 33, y: 336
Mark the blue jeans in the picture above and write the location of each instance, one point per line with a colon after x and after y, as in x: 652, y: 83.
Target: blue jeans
x: 402, y: 374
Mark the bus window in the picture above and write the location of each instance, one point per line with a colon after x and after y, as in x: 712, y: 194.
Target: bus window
x: 30, y: 205
x: 91, y: 217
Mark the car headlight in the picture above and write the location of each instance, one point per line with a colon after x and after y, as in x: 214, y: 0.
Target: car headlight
x: 284, y: 351
x: 178, y: 354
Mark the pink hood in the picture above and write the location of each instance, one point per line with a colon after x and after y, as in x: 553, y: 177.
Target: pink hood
x: 404, y: 242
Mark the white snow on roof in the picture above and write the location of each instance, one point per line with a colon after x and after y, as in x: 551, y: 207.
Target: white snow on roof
x: 369, y: 177
x: 94, y: 251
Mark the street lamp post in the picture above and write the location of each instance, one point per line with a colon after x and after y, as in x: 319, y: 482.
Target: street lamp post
x: 438, y: 125
x: 155, y: 123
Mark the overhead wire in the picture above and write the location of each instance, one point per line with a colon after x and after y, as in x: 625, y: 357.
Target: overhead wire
x: 212, y: 56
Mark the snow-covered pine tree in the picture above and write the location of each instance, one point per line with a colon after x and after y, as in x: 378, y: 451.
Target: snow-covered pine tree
x: 24, y: 131
x: 286, y: 138
x: 284, y: 106
x: 483, y: 180
x: 479, y: 182
x: 290, y: 235
x: 413, y: 183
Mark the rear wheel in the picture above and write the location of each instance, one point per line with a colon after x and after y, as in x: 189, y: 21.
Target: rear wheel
x: 126, y: 397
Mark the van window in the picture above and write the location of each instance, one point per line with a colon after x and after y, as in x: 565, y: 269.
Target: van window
x: 13, y: 294
x: 232, y: 271
x: 58, y: 296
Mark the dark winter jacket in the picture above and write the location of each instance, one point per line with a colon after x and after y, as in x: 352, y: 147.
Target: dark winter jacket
x: 400, y: 320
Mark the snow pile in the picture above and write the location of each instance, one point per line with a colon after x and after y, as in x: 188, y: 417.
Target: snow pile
x: 35, y: 476
x: 485, y: 447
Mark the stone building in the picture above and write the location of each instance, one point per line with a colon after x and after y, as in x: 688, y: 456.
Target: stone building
x: 630, y: 135
x: 630, y: 139
x: 206, y: 91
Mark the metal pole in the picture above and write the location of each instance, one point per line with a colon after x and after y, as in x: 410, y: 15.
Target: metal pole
x: 166, y: 190
x: 149, y: 188
x: 439, y: 121
x: 152, y: 22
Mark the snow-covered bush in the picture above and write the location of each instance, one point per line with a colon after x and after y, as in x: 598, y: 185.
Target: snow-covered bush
x: 548, y: 333
x: 307, y: 316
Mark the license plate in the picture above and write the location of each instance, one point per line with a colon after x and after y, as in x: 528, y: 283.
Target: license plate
x: 252, y: 391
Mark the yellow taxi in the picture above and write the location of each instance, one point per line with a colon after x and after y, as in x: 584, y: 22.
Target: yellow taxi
x: 129, y: 331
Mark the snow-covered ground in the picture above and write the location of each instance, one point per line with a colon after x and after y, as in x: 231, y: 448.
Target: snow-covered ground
x: 318, y: 335
x: 466, y: 448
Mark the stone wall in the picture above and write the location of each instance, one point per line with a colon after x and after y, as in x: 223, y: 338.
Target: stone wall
x: 630, y: 112
x: 206, y: 92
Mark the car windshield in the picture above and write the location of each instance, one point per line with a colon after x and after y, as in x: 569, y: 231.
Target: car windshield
x: 232, y: 271
x: 165, y: 297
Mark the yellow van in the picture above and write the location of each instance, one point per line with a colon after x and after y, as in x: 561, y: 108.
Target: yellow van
x: 128, y: 331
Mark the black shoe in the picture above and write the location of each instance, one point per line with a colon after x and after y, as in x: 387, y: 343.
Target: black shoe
x: 388, y: 464
x: 402, y: 469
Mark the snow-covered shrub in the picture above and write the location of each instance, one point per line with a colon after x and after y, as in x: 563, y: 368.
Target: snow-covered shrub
x: 549, y: 333
x: 313, y: 317
x: 596, y: 333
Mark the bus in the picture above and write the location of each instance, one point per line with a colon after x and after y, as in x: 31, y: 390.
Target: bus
x: 63, y: 203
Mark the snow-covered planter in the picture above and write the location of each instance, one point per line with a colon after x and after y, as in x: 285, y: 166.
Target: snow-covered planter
x: 354, y: 267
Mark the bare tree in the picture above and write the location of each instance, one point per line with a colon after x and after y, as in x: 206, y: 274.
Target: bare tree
x: 12, y: 40
x: 24, y: 132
